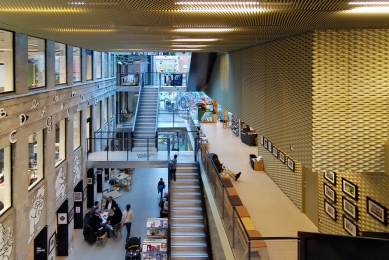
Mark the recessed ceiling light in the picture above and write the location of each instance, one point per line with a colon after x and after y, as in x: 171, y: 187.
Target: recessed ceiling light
x: 185, y: 49
x: 369, y: 9
x: 217, y: 3
x: 189, y: 45
x: 203, y: 30
x: 368, y: 3
x: 195, y: 40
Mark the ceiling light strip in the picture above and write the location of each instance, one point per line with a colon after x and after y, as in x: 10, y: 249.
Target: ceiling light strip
x: 368, y: 3
x: 203, y: 30
x: 195, y: 40
x: 217, y: 3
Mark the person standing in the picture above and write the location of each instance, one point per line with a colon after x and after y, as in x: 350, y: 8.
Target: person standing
x: 173, y: 166
x: 127, y: 217
x: 161, y: 186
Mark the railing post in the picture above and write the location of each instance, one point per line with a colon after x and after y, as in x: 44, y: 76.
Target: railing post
x: 107, y: 148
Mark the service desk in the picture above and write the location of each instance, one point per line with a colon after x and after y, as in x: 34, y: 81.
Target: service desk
x: 248, y: 138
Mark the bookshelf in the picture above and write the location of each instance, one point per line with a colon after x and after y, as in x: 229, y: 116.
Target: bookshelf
x: 154, y: 247
x: 157, y: 227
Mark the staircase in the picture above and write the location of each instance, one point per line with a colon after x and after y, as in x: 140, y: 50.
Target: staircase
x: 146, y: 119
x: 187, y: 234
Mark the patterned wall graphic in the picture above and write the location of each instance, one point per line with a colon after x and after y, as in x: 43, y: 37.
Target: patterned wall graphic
x: 6, y: 242
x: 350, y: 115
x: 76, y: 170
x: 269, y: 87
x: 60, y: 185
x: 35, y: 213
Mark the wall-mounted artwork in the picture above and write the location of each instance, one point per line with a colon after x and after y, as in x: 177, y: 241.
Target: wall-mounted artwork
x: 76, y: 170
x: 350, y: 208
x: 330, y: 210
x: 350, y: 189
x: 282, y: 157
x: 261, y: 139
x: 6, y: 242
x: 377, y: 211
x: 265, y: 143
x: 52, y: 243
x: 329, y: 193
x: 291, y: 164
x: 330, y: 176
x: 60, y: 187
x: 269, y: 146
x: 275, y: 152
x: 349, y: 226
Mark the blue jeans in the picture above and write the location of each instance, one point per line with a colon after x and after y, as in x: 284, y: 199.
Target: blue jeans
x: 128, y: 226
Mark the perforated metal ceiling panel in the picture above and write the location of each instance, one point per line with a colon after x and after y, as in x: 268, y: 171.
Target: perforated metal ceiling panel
x: 149, y: 25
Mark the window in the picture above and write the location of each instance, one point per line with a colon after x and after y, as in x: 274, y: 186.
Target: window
x: 106, y: 65
x: 98, y: 115
x: 112, y: 106
x: 5, y: 179
x: 36, y: 63
x: 60, y: 63
x: 76, y: 64
x: 105, y: 110
x: 88, y: 65
x: 6, y: 62
x: 35, y: 158
x: 112, y: 65
x: 77, y: 130
x: 89, y: 127
x: 98, y: 65
x: 60, y: 141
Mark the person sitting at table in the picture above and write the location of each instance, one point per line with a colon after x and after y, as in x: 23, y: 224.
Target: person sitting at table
x: 96, y: 221
x: 93, y: 209
x: 111, y: 203
x: 115, y: 216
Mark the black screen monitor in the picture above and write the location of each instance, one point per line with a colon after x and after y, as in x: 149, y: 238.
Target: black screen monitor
x: 173, y: 80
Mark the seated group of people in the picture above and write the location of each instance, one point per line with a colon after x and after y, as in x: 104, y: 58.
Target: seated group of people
x: 97, y: 222
x: 223, y: 170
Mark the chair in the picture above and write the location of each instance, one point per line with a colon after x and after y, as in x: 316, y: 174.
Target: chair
x: 128, y: 180
x: 103, y: 239
x: 117, y: 229
x: 102, y: 193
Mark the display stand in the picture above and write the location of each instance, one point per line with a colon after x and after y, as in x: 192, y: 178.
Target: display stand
x: 155, y: 245
x: 157, y: 227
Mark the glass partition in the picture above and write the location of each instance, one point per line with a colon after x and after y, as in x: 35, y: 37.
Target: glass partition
x: 76, y: 64
x: 5, y: 179
x: 89, y: 60
x: 60, y: 141
x: 36, y: 63
x: 77, y: 130
x: 35, y: 158
x: 105, y: 58
x: 105, y: 110
x: 6, y: 62
x: 98, y: 115
x: 112, y: 67
x: 98, y: 65
x: 60, y: 63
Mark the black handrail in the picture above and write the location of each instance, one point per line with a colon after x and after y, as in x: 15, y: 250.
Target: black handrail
x: 137, y: 107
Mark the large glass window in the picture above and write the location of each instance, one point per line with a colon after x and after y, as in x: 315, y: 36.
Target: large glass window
x: 105, y: 110
x: 98, y: 115
x: 60, y: 141
x: 77, y: 130
x: 76, y: 64
x: 60, y: 63
x: 6, y: 62
x: 36, y: 63
x: 106, y: 65
x: 88, y: 65
x: 5, y: 179
x: 112, y: 65
x: 98, y: 65
x: 112, y: 106
x: 35, y: 158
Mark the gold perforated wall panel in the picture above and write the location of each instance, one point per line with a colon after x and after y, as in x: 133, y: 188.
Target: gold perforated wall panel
x: 350, y: 117
x: 269, y: 87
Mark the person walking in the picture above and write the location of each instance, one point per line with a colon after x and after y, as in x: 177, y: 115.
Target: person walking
x: 161, y: 186
x: 127, y: 217
x: 173, y: 166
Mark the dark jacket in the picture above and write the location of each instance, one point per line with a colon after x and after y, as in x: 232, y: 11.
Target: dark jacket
x: 95, y: 222
x: 114, y: 204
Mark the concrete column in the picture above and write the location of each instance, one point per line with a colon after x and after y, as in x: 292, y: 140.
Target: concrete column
x: 21, y: 68
x: 50, y: 64
x: 69, y: 65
